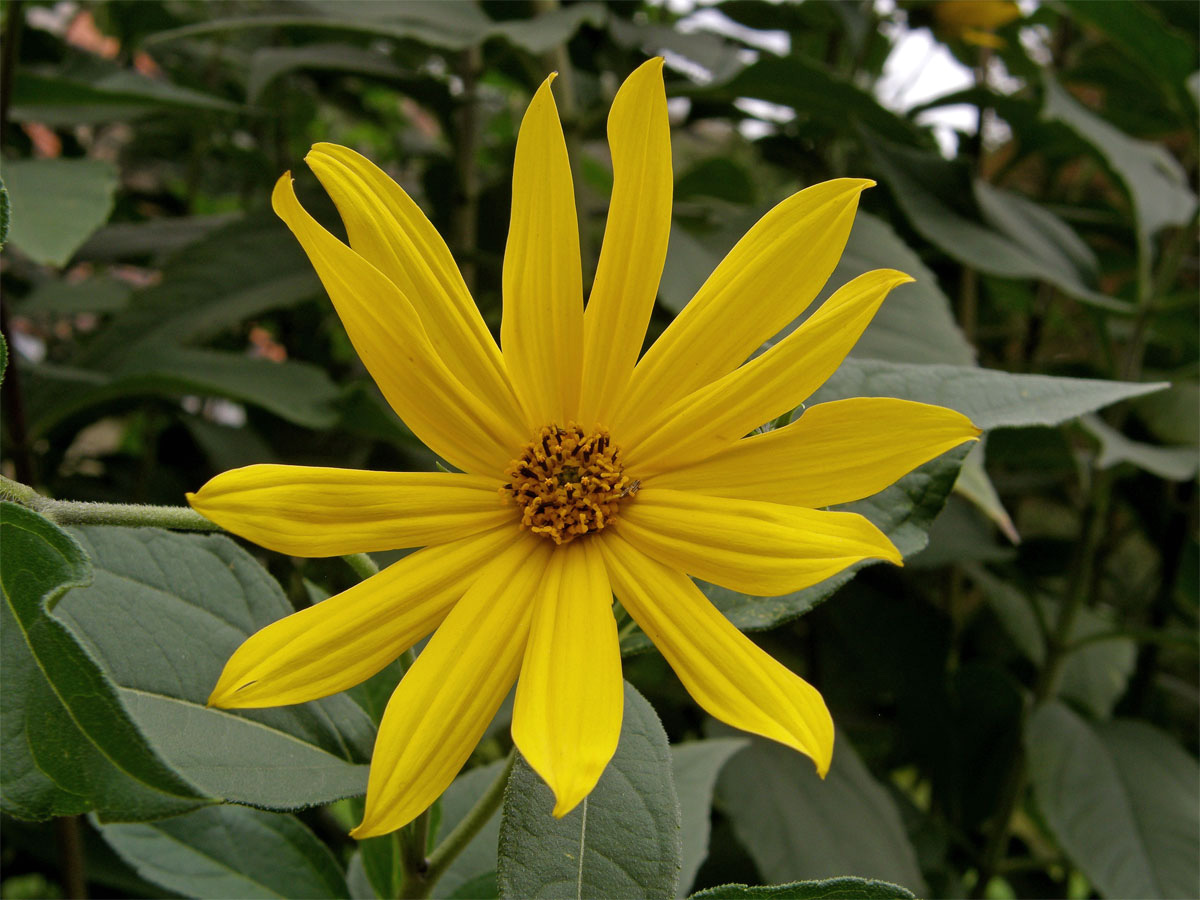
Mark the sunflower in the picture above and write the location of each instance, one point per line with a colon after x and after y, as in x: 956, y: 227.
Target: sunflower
x: 584, y: 471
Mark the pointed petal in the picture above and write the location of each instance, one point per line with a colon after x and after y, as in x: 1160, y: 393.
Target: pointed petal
x: 720, y: 667
x: 767, y: 280
x: 445, y: 701
x: 347, y: 638
x: 716, y: 416
x: 393, y: 345
x: 764, y: 549
x: 635, y: 240
x: 834, y: 453
x: 570, y: 697
x: 542, y: 329
x: 388, y: 230
x: 315, y: 511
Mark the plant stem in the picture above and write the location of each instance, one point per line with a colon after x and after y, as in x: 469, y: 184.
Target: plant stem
x: 364, y: 567
x: 461, y: 835
x: 466, y: 211
x: 78, y: 512
x: 70, y: 848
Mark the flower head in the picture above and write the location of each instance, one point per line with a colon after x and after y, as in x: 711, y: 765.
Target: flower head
x: 585, y: 472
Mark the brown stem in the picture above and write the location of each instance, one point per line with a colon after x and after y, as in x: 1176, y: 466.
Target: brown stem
x: 70, y: 850
x: 466, y: 211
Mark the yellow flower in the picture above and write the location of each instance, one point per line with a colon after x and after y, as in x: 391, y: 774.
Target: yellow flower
x: 975, y: 21
x: 583, y: 474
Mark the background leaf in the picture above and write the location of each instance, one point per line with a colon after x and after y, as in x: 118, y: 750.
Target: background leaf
x: 230, y: 851
x: 847, y: 822
x: 69, y: 745
x: 163, y: 614
x: 1121, y: 798
x: 623, y: 840
x: 57, y: 204
x: 846, y: 888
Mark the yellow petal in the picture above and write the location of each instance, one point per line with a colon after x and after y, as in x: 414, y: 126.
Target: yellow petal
x: 346, y: 639
x: 388, y: 230
x: 834, y: 453
x: 542, y: 329
x: 767, y: 280
x: 716, y: 416
x: 567, y: 715
x: 765, y: 549
x: 635, y: 240
x: 445, y: 701
x: 394, y: 347
x: 314, y: 511
x: 730, y: 677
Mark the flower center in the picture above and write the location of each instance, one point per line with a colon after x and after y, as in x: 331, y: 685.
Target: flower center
x: 568, y: 483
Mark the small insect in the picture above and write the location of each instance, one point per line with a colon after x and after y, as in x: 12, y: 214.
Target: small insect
x: 630, y: 489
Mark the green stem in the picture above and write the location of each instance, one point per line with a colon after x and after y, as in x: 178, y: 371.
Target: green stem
x: 364, y: 567
x: 463, y: 833
x: 77, y: 512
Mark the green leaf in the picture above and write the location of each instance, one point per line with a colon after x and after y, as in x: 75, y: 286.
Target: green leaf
x: 814, y: 91
x: 58, y: 203
x: 294, y: 391
x: 848, y: 822
x: 916, y: 324
x: 696, y: 765
x: 58, y: 297
x: 1163, y: 53
x: 1173, y: 415
x: 991, y: 399
x: 621, y: 841
x: 477, y: 862
x: 996, y: 232
x: 1121, y: 799
x: 230, y: 851
x: 268, y: 63
x: 161, y: 617
x: 69, y: 745
x: 845, y: 888
x: 89, y: 91
x: 1156, y: 182
x: 1095, y: 675
x: 1171, y: 463
x: 450, y: 26
x: 719, y: 177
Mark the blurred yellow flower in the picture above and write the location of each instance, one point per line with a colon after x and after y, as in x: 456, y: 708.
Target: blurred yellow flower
x: 585, y: 471
x: 975, y: 21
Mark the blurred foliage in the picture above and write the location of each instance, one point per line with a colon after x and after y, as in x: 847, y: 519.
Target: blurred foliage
x: 1017, y: 708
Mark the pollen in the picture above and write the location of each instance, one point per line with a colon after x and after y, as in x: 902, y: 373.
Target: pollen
x: 568, y: 483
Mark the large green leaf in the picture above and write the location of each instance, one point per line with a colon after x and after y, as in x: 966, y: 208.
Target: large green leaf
x: 696, y: 765
x: 295, y: 391
x: 845, y: 888
x: 1156, y: 182
x: 1121, y: 799
x: 1172, y: 463
x: 268, y: 63
x: 1095, y: 675
x: 992, y: 399
x: 57, y: 204
x: 819, y: 829
x: 996, y: 232
x: 451, y: 26
x: 68, y: 743
x: 1137, y: 28
x: 230, y: 851
x: 621, y: 841
x: 162, y: 615
x: 813, y: 91
x: 91, y: 90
